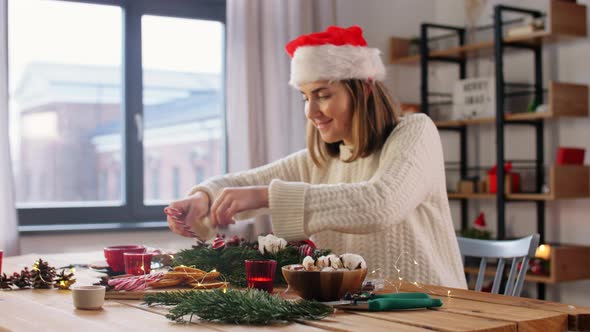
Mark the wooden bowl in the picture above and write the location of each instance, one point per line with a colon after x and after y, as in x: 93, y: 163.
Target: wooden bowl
x: 323, y: 285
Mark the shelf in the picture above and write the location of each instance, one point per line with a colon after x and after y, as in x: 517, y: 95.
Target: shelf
x: 471, y: 196
x: 563, y: 99
x: 569, y: 181
x: 530, y: 197
x: 567, y: 263
x: 512, y: 197
x: 566, y: 20
x: 462, y: 123
x: 565, y: 182
x: 472, y: 49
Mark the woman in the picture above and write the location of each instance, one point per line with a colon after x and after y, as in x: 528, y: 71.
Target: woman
x: 368, y: 183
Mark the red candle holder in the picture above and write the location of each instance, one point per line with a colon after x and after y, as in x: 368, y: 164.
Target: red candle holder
x: 114, y: 256
x: 260, y: 274
x: 137, y: 263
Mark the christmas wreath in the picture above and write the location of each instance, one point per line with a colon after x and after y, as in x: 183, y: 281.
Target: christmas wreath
x: 228, y: 255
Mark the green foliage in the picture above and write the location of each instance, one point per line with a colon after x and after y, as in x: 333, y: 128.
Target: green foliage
x: 253, y: 307
x: 475, y: 233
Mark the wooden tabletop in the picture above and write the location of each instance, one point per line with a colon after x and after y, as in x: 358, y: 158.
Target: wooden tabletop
x: 52, y: 310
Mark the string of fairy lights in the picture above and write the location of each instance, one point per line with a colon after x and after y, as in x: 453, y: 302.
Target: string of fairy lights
x: 196, y: 282
x: 396, y: 284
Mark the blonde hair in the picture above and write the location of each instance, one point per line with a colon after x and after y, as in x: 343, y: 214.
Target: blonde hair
x: 374, y: 115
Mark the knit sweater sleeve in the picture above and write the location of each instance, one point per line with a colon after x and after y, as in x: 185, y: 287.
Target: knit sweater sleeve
x: 294, y: 167
x: 407, y: 173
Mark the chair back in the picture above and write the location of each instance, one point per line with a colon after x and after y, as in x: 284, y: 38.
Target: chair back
x: 515, y: 251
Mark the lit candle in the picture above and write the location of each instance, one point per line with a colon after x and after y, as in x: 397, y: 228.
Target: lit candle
x: 260, y: 274
x: 543, y: 252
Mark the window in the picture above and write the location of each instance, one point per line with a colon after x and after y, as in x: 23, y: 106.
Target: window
x: 199, y: 174
x: 155, y: 194
x: 103, y: 185
x: 176, y: 182
x: 103, y: 113
x: 65, y: 87
x: 182, y: 96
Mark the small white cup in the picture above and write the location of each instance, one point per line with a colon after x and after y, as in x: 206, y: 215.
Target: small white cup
x: 88, y: 297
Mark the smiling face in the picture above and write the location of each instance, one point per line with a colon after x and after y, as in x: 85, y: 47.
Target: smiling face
x: 328, y: 107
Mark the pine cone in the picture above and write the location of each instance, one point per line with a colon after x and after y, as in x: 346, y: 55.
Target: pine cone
x: 42, y: 275
x: 22, y: 280
x: 5, y: 281
x: 64, y: 281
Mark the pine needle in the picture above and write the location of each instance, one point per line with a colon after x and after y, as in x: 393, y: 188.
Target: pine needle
x: 251, y: 307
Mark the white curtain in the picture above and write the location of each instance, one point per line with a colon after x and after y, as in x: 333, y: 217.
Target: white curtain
x: 265, y: 118
x: 8, y: 221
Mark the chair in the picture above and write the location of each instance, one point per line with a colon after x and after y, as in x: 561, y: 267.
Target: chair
x: 520, y: 250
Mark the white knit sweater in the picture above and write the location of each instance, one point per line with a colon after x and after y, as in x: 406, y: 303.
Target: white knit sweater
x: 381, y: 206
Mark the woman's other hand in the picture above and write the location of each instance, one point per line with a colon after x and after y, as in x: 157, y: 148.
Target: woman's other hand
x: 236, y: 200
x: 185, y: 216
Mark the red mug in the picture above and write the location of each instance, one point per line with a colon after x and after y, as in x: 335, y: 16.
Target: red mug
x: 114, y: 255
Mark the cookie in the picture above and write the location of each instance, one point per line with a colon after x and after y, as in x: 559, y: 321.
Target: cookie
x: 187, y: 269
x: 166, y: 282
x: 184, y: 275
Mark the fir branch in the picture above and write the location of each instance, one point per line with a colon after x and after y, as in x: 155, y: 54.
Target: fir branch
x: 251, y: 306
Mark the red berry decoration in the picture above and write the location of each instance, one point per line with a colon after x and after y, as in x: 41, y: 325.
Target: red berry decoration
x: 22, y: 280
x: 218, y: 243
x: 233, y: 241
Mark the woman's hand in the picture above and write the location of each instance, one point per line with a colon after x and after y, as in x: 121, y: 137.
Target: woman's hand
x: 185, y: 216
x: 235, y: 200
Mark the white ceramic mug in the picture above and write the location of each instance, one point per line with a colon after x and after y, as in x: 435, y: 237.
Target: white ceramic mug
x: 88, y: 297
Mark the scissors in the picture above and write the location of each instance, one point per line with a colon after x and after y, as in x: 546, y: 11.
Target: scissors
x: 385, y: 302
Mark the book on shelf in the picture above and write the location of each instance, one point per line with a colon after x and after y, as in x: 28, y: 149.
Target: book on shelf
x: 523, y: 30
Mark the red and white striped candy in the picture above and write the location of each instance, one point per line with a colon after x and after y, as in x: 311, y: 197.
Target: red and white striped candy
x: 135, y: 282
x: 218, y: 243
x: 305, y: 250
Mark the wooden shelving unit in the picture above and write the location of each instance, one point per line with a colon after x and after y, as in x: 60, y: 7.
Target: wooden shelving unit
x: 567, y: 263
x: 565, y: 182
x: 452, y: 195
x: 564, y: 100
x: 566, y: 20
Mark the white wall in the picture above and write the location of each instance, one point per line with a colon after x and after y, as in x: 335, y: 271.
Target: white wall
x: 381, y: 19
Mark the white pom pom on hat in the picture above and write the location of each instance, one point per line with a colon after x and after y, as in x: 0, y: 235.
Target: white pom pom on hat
x: 335, y: 54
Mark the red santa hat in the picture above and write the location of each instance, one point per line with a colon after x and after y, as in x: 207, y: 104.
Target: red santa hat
x: 335, y: 54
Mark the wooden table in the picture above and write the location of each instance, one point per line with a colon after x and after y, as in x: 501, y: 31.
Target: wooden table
x: 52, y: 310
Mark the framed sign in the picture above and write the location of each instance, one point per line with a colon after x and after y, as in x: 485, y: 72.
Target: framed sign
x: 474, y: 98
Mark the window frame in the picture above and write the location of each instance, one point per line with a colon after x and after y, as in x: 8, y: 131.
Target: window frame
x: 133, y: 210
